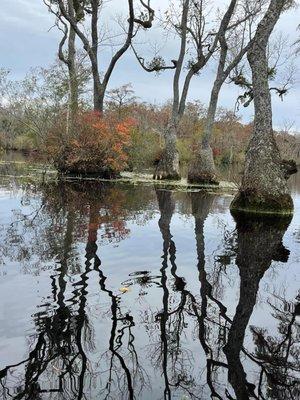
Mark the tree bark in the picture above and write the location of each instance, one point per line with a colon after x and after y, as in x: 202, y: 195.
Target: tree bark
x: 202, y: 169
x: 98, y: 93
x: 168, y: 165
x: 264, y: 186
x: 73, y: 81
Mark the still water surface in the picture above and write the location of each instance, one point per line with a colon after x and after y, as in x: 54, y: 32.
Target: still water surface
x: 112, y: 291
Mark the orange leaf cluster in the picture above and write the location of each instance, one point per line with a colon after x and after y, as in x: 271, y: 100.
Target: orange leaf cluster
x: 97, y: 143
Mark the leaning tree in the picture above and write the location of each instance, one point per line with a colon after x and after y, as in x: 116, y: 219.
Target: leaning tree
x: 264, y: 186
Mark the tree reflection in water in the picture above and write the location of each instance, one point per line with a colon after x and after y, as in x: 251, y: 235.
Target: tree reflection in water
x: 172, y: 357
x: 64, y: 361
x: 58, y: 358
x: 260, y: 243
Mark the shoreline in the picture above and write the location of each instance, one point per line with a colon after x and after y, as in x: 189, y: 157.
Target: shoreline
x: 46, y: 173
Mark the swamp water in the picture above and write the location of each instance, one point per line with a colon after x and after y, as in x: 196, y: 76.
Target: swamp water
x: 118, y: 291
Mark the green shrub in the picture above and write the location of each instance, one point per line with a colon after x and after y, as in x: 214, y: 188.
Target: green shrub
x: 184, y: 147
x: 144, y: 150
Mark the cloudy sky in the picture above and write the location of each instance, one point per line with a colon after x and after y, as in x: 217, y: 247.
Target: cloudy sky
x: 27, y: 41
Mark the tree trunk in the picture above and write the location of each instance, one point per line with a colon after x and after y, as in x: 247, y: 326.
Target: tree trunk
x: 73, y: 81
x: 98, y: 101
x: 98, y: 92
x: 264, y: 186
x: 202, y: 169
x: 168, y: 165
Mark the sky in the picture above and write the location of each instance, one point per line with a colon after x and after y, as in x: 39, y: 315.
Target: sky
x: 28, y: 39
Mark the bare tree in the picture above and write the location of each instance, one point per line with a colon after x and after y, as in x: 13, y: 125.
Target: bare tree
x: 80, y: 12
x: 121, y: 97
x: 233, y: 45
x: 195, y: 38
x: 264, y: 186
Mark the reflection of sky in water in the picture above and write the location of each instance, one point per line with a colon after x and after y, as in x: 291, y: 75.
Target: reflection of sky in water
x: 25, y: 287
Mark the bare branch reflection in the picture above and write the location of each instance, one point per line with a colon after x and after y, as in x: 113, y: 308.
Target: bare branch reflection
x: 183, y: 328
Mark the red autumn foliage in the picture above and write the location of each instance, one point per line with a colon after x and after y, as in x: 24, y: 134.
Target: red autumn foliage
x: 96, y: 145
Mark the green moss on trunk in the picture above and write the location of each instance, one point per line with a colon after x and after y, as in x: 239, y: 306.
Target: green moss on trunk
x: 252, y: 202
